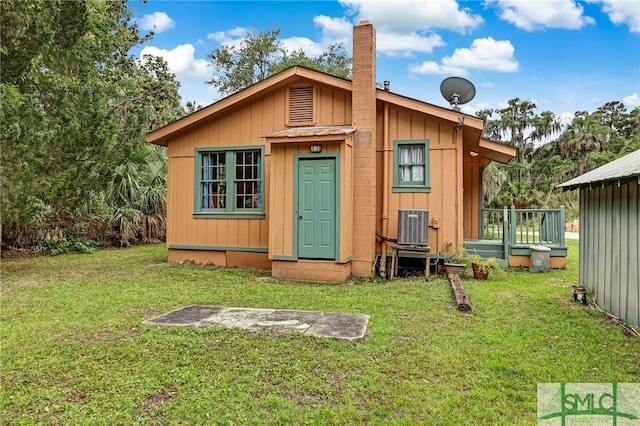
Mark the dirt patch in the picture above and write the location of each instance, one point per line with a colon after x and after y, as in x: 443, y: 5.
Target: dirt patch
x: 158, y: 399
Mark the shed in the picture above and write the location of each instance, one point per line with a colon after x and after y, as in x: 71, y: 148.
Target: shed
x: 610, y: 234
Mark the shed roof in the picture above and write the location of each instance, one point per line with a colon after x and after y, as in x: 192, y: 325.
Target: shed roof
x: 624, y: 167
x: 296, y: 132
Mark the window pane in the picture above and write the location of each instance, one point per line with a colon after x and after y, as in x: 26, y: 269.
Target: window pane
x: 411, y: 163
x: 213, y: 185
x: 247, y: 180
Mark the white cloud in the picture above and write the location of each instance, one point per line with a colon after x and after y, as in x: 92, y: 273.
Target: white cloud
x: 411, y: 16
x: 540, y: 14
x: 334, y: 30
x: 157, y: 21
x: 231, y: 37
x: 484, y: 54
x: 432, y: 67
x: 404, y: 27
x: 181, y: 61
x: 310, y: 47
x: 399, y: 44
x: 622, y: 12
x: 632, y: 100
x: 566, y: 118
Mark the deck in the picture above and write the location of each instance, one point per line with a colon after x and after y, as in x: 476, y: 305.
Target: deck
x: 509, y: 233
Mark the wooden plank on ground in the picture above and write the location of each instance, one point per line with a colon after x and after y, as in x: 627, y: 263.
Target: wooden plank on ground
x: 460, y: 295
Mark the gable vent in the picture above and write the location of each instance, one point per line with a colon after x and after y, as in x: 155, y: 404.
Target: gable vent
x: 301, y: 105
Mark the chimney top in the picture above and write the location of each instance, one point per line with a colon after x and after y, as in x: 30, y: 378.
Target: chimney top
x: 364, y: 22
x: 386, y: 85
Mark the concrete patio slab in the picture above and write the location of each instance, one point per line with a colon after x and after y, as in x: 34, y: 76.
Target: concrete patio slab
x: 320, y: 324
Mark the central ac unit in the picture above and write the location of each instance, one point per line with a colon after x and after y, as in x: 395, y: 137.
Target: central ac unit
x: 413, y: 227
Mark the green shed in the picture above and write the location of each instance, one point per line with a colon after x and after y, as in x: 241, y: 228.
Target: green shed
x: 610, y: 235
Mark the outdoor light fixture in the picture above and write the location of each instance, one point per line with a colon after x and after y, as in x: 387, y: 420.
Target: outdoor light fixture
x: 316, y: 148
x: 473, y: 153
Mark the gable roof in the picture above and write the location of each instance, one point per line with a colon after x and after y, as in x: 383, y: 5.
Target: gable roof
x: 472, y: 132
x: 622, y: 168
x: 160, y: 136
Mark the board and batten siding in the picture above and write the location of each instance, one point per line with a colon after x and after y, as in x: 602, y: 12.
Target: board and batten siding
x: 444, y: 202
x: 245, y: 124
x: 241, y: 127
x: 473, y: 167
x: 610, y: 247
x: 281, y: 203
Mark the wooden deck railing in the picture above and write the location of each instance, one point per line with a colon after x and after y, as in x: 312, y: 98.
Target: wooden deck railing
x: 523, y: 226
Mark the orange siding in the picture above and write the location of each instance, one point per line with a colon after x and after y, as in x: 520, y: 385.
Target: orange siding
x: 247, y: 123
x: 334, y: 107
x: 346, y: 195
x: 243, y: 125
x: 445, y: 175
x: 282, y: 207
x: 472, y: 197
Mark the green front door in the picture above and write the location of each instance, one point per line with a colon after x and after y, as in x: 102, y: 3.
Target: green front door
x: 317, y: 208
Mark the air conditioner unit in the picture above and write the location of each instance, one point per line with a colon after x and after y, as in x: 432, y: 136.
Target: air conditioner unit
x: 413, y: 227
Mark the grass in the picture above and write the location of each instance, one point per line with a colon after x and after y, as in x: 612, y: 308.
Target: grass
x: 74, y: 350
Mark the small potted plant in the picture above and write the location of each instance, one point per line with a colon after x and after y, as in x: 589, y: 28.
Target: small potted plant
x: 481, y: 267
x: 454, y: 264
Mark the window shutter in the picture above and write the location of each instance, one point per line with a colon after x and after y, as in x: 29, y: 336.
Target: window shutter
x: 301, y: 105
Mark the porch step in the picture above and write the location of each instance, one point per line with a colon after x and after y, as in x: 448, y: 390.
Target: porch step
x: 485, y: 248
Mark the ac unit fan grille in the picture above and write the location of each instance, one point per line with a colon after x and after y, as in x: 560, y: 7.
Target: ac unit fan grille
x: 413, y: 227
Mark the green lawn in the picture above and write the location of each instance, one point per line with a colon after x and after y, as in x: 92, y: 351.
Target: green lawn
x: 74, y: 349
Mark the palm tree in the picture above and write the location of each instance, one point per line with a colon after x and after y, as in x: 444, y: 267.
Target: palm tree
x: 584, y: 135
x: 137, y: 197
x: 523, y: 127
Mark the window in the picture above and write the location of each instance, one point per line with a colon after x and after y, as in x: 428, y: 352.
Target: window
x: 230, y: 181
x: 411, y: 166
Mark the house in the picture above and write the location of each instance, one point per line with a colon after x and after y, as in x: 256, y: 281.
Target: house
x: 610, y: 235
x: 298, y: 173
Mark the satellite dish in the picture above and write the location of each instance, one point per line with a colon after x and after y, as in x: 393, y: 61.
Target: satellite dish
x: 457, y: 91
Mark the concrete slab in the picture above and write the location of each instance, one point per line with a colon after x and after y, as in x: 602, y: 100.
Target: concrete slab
x: 340, y: 326
x: 320, y: 324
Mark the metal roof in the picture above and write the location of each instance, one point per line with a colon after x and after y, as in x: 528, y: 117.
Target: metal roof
x: 296, y: 132
x: 624, y: 167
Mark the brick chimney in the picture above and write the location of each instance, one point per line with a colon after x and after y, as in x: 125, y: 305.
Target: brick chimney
x: 364, y: 148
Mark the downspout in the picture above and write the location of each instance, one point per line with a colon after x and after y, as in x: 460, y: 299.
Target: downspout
x: 460, y: 187
x: 385, y: 190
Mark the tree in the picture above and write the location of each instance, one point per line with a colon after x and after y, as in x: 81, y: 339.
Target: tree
x: 262, y: 54
x: 522, y: 127
x: 75, y: 104
x: 586, y: 133
x: 334, y: 61
x: 491, y: 127
x: 242, y: 66
x: 591, y: 140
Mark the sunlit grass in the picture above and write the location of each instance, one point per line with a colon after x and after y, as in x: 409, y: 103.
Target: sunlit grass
x: 74, y: 349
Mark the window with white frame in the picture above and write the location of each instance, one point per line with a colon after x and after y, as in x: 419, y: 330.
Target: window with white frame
x: 230, y: 181
x: 411, y: 166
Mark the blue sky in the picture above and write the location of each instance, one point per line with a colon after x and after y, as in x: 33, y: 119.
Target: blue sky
x: 564, y: 55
